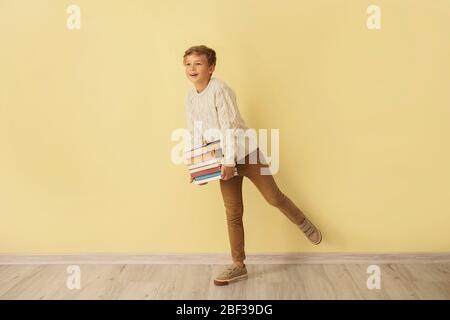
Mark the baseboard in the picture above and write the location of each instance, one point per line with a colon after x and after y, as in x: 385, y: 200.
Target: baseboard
x: 207, y: 258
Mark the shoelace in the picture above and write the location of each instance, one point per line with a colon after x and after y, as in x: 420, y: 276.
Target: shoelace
x: 229, y: 270
x: 307, y: 227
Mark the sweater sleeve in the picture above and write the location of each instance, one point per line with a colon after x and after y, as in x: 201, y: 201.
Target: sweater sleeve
x: 227, y: 110
x: 189, y: 121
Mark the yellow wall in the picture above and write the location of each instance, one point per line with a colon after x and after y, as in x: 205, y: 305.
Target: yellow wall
x: 86, y: 117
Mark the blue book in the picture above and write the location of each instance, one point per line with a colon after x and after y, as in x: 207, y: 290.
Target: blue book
x: 209, y: 175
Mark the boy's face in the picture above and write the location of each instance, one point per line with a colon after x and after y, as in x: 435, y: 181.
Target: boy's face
x: 197, y: 68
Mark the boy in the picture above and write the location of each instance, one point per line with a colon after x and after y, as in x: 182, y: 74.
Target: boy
x: 213, y: 104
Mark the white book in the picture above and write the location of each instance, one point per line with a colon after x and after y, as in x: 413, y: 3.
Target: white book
x: 204, y: 163
x: 208, y: 154
x: 208, y: 179
x: 218, y: 177
x: 214, y: 145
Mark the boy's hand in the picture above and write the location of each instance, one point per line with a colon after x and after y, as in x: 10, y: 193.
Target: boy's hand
x: 227, y: 172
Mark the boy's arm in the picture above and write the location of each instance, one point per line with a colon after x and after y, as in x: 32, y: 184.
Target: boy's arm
x: 227, y: 110
x: 189, y: 122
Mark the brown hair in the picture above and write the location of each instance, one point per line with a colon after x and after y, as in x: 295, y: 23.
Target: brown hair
x: 208, y: 52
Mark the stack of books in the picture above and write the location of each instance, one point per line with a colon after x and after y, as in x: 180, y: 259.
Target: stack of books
x: 204, y: 162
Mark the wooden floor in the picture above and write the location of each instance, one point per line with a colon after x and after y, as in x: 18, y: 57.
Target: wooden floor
x: 321, y: 281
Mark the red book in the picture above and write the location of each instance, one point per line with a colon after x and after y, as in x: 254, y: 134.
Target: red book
x: 206, y: 171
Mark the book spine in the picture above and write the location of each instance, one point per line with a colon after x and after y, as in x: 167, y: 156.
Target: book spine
x: 213, y: 178
x: 209, y: 175
x: 205, y: 156
x: 203, y: 172
x: 209, y: 166
x: 201, y: 158
x: 207, y: 180
x: 201, y: 164
x: 203, y: 149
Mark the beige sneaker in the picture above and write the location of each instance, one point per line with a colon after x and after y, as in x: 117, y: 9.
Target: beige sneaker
x: 230, y: 274
x: 312, y: 233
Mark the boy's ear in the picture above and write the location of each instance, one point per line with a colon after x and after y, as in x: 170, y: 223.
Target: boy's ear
x: 212, y: 68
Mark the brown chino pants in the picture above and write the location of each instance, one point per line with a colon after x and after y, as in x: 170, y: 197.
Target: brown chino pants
x: 232, y: 196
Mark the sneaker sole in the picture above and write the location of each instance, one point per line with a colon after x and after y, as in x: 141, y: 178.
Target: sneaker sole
x: 320, y: 240
x: 226, y: 282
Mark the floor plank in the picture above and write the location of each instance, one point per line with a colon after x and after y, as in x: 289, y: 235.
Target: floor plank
x: 268, y: 281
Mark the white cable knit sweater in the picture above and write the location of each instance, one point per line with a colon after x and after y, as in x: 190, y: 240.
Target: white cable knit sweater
x: 215, y: 107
